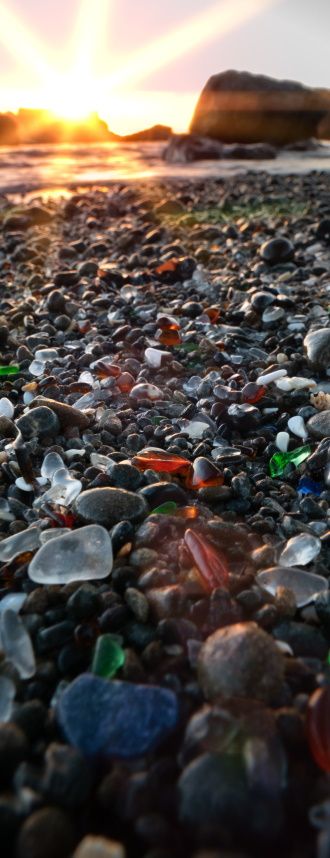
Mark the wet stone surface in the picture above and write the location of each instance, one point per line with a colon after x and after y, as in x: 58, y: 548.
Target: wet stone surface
x: 165, y: 520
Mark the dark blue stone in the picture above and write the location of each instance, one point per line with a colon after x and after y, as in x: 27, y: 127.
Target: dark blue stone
x: 114, y: 718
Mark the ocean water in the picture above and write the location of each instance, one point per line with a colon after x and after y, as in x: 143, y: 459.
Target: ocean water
x: 58, y: 168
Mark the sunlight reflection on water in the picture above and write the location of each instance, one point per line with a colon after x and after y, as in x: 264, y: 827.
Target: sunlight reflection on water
x: 51, y: 167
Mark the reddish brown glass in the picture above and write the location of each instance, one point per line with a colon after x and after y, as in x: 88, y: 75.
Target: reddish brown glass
x: 318, y: 726
x: 204, y: 474
x: 158, y: 460
x: 252, y: 392
x: 211, y: 565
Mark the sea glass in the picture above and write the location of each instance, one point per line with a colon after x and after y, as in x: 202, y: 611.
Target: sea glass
x: 125, y: 382
x: 19, y: 543
x: 279, y: 461
x: 154, y: 358
x: 169, y: 337
x: 300, y: 550
x: 108, y: 657
x: 51, y: 463
x: 6, y: 408
x: 159, y: 460
x: 213, y: 313
x: 167, y: 323
x: 252, y: 392
x: 269, y: 377
x: 212, y: 567
x: 11, y: 369
x: 5, y: 512
x: 7, y: 696
x: 14, y: 601
x: 204, y: 474
x: 282, y: 441
x: 147, y: 391
x: 17, y: 645
x: 296, y: 425
x: 105, y: 369
x: 318, y: 726
x: 304, y: 585
x: 82, y: 555
x: 306, y: 486
x: 168, y: 508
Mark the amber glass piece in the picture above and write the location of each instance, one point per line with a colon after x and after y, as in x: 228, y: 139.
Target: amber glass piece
x: 167, y: 323
x: 252, y: 392
x: 213, y: 313
x: 159, y: 460
x: 203, y: 474
x: 169, y: 338
x: 169, y: 265
x: 104, y: 368
x: 318, y: 726
x: 212, y: 567
x: 125, y: 382
x: 188, y: 512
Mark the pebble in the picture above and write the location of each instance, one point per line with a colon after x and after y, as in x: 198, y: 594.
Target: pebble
x: 17, y: 644
x: 276, y: 250
x: 115, y: 719
x: 319, y: 425
x: 317, y: 345
x: 99, y: 847
x: 66, y: 414
x: 83, y: 555
x: 304, y: 585
x: 38, y: 422
x: 48, y: 831
x: 300, y: 550
x: 107, y: 506
x: 235, y: 659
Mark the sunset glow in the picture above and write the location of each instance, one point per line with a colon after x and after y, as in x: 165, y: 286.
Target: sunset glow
x: 76, y: 89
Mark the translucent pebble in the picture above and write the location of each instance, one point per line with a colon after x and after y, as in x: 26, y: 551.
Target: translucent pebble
x: 6, y: 408
x: 51, y: 463
x: 108, y: 657
x: 306, y: 486
x: 20, y: 543
x: 28, y: 397
x: 191, y: 385
x: 155, y: 357
x: 17, y: 645
x: 7, y: 696
x: 294, y: 383
x: 195, y: 428
x: 52, y: 533
x: 14, y: 601
x: 82, y: 555
x: 5, y: 513
x: 300, y: 550
x: 46, y: 355
x: 74, y: 454
x: 100, y: 461
x: 147, y: 391
x: 128, y: 293
x: 85, y: 401
x: 304, y: 585
x: 37, y: 368
x: 87, y: 378
x: 282, y: 441
x: 296, y: 425
x: 23, y: 485
x: 271, y: 376
x: 64, y: 490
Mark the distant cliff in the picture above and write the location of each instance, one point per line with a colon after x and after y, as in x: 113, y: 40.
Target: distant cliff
x: 239, y: 107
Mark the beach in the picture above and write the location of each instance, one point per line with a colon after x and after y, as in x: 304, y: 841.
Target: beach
x: 164, y: 504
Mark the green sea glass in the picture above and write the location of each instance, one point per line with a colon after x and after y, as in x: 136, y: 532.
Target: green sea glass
x: 165, y: 508
x: 108, y: 657
x: 9, y: 370
x: 279, y: 461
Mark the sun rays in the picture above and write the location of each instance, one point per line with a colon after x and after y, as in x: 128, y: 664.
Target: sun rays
x: 80, y: 90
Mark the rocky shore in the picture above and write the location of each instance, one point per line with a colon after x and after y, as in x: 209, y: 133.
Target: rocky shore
x: 164, y: 507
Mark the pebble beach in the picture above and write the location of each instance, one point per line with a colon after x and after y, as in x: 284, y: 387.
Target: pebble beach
x: 165, y: 519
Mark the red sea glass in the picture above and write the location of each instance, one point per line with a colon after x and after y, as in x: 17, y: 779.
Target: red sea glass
x: 204, y: 474
x: 213, y: 313
x: 105, y: 369
x: 167, y: 323
x: 212, y: 567
x: 169, y: 337
x: 125, y: 382
x: 158, y: 460
x: 169, y: 265
x: 252, y: 392
x: 318, y: 726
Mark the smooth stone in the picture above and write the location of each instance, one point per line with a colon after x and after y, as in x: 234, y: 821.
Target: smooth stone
x: 162, y: 492
x: 99, y: 847
x: 317, y: 345
x: 6, y: 408
x: 107, y: 506
x: 7, y: 696
x: 276, y: 250
x: 319, y: 425
x: 240, y: 661
x: 124, y: 476
x: 66, y: 414
x: 82, y: 555
x: 304, y: 585
x: 296, y: 425
x: 282, y: 441
x: 38, y: 422
x: 111, y: 718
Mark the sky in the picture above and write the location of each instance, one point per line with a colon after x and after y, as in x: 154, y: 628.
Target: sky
x: 141, y: 62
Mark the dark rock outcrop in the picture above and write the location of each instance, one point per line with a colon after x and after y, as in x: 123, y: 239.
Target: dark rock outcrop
x: 157, y: 132
x: 238, y: 107
x: 184, y: 148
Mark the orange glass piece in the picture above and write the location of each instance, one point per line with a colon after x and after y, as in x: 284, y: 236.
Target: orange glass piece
x: 318, y: 726
x: 169, y: 265
x: 187, y: 512
x: 167, y: 323
x: 252, y: 392
x: 213, y: 313
x: 203, y: 474
x: 125, y: 382
x: 159, y: 460
x: 212, y: 567
x: 169, y: 338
